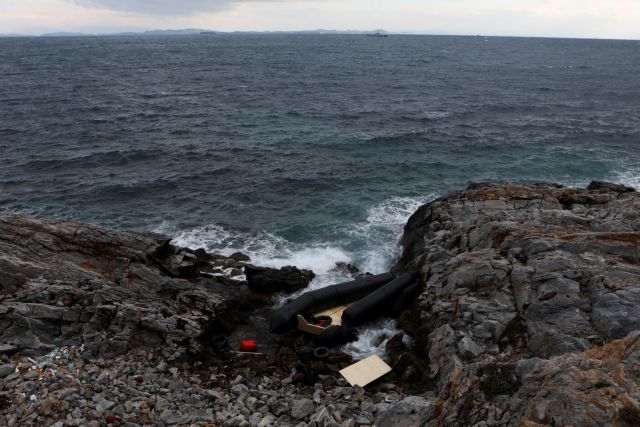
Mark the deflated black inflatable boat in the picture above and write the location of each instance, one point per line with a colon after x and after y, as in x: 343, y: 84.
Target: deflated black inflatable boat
x: 375, y: 296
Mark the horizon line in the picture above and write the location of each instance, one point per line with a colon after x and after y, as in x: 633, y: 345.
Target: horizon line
x: 318, y: 31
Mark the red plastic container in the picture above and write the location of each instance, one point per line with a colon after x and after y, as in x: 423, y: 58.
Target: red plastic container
x: 248, y: 346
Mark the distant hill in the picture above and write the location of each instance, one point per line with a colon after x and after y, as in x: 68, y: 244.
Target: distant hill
x: 193, y: 31
x: 63, y: 34
x: 318, y: 31
x: 183, y: 32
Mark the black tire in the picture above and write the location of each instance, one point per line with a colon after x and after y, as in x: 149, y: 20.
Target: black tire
x: 220, y: 343
x: 321, y: 352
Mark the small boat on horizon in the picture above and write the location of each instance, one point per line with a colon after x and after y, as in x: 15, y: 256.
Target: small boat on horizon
x: 377, y: 34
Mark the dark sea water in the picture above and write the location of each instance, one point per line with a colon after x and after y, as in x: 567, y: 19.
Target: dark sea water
x: 303, y: 149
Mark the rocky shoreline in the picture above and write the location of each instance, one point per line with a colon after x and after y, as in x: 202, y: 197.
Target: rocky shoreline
x: 529, y: 315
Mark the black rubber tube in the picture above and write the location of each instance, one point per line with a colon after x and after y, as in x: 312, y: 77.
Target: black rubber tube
x: 334, y: 337
x: 379, y: 302
x: 405, y: 299
x: 284, y: 318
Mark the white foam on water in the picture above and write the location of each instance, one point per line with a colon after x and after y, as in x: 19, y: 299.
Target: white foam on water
x: 372, y: 339
x: 435, y: 114
x: 382, y: 230
x: 630, y: 177
x: 267, y: 250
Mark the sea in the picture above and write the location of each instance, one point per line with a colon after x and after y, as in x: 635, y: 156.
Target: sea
x: 303, y: 150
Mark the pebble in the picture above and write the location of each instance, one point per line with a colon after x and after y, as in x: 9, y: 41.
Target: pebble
x: 238, y: 389
x: 104, y: 405
x: 7, y: 369
x: 92, y: 393
x: 302, y: 408
x: 267, y: 420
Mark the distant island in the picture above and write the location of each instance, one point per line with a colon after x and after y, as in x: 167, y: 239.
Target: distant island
x: 196, y: 31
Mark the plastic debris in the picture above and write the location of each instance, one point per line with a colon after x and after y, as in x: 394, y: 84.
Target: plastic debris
x: 52, y: 364
x: 248, y: 346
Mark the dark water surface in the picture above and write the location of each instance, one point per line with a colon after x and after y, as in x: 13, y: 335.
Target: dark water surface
x: 305, y: 149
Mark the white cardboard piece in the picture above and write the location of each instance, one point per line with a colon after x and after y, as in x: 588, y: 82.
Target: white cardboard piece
x: 365, y: 371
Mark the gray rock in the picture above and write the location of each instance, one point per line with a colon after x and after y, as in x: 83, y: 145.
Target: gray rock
x: 238, y: 389
x: 66, y: 284
x: 321, y: 418
x: 161, y: 403
x: 468, y: 348
x: 527, y: 272
x: 104, y: 405
x: 411, y: 411
x: 524, y: 367
x: 267, y: 420
x: 7, y: 369
x: 236, y: 421
x: 302, y: 408
x: 288, y: 279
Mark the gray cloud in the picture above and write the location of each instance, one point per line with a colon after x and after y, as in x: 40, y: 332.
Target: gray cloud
x: 160, y: 7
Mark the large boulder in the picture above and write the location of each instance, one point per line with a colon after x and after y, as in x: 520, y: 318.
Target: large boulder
x: 518, y: 274
x: 269, y: 280
x: 64, y: 283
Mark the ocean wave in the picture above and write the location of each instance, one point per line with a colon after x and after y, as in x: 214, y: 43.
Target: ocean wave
x: 630, y: 177
x: 267, y: 250
x: 372, y: 243
x: 379, y: 234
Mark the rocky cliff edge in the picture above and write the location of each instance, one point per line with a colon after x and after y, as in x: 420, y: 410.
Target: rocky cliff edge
x: 531, y: 305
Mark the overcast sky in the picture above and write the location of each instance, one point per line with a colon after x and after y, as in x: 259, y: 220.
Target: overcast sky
x: 553, y: 18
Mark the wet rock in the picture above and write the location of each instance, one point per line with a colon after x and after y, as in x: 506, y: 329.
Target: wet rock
x: 286, y: 279
x: 240, y: 257
x: 608, y: 186
x: 350, y: 269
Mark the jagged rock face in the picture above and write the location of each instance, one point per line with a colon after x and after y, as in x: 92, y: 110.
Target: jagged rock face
x: 63, y: 283
x: 513, y: 276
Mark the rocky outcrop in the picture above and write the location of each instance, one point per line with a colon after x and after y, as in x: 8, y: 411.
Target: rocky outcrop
x: 523, y: 285
x: 269, y: 280
x: 63, y: 283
